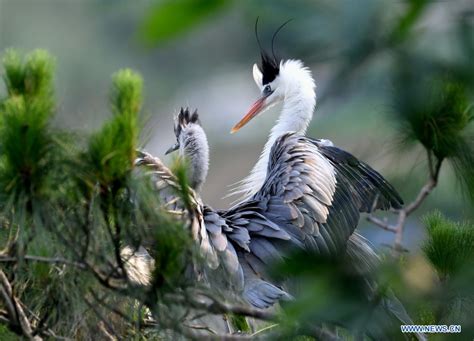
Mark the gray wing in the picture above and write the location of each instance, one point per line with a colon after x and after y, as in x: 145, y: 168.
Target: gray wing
x: 325, y: 189
x: 216, y: 240
x: 225, y: 240
x: 267, y: 238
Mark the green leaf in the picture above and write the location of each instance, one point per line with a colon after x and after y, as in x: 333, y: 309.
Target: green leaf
x: 415, y: 9
x: 171, y: 18
x: 239, y: 323
x: 39, y: 68
x: 14, y: 72
x: 25, y: 136
x: 126, y: 93
x: 433, y: 107
x: 450, y: 245
x: 111, y: 151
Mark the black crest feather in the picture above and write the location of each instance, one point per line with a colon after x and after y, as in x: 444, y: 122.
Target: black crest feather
x: 183, y: 119
x: 270, y: 65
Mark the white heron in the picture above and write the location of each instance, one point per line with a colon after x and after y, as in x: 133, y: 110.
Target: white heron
x: 324, y: 188
x: 247, y: 239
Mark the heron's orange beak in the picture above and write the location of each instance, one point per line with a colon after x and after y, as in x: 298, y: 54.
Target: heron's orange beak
x: 257, y: 107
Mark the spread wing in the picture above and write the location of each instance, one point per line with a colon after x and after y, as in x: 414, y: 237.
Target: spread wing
x: 267, y: 238
x: 325, y: 189
x: 224, y: 236
x: 216, y: 240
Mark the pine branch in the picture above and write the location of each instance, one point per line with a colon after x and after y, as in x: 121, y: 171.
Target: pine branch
x: 204, y: 301
x: 46, y: 331
x: 17, y: 317
x: 403, y: 213
x: 105, y: 325
x: 214, y: 305
x: 56, y: 260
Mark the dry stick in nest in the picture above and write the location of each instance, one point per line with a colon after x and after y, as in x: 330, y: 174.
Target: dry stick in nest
x: 404, y: 212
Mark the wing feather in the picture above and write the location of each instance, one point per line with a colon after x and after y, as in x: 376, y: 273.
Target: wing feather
x: 325, y: 189
x: 216, y: 240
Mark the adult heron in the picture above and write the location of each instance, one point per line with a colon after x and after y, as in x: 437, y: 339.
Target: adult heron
x: 245, y: 240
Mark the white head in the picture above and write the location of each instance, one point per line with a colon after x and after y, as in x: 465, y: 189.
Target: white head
x: 286, y: 81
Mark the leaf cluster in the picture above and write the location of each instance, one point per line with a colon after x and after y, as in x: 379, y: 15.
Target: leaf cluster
x: 71, y: 208
x: 331, y: 291
x: 450, y: 245
x: 433, y: 106
x: 449, y: 249
x: 169, y: 19
x: 111, y: 151
x: 26, y: 143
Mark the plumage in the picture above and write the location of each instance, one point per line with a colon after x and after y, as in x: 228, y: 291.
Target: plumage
x: 223, y: 237
x: 324, y: 188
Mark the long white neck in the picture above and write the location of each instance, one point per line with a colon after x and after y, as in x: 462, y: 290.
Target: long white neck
x: 296, y: 114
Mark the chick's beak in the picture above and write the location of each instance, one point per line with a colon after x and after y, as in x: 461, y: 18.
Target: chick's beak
x: 172, y: 148
x: 254, y: 110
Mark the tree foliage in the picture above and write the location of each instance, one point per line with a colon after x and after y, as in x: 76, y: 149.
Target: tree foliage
x: 69, y: 205
x: 68, y: 209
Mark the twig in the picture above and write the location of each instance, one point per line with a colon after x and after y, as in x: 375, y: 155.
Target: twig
x: 404, y: 212
x: 383, y: 224
x: 263, y: 330
x: 56, y: 260
x: 47, y: 331
x: 216, y: 306
x: 199, y: 327
x: 195, y: 335
x: 106, y: 327
x: 116, y: 311
x: 324, y: 334
x: 102, y: 278
x: 106, y: 333
x: 16, y: 314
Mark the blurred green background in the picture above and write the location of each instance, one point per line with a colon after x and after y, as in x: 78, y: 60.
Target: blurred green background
x: 200, y: 54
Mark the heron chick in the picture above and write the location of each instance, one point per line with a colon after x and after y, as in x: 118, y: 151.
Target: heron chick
x: 191, y: 141
x: 192, y: 146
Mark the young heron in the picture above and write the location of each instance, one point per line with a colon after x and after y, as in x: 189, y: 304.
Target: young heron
x: 222, y: 236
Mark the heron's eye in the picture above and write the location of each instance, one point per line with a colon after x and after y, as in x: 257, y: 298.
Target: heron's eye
x: 267, y: 90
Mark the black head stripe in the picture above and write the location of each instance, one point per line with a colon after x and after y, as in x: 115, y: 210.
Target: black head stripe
x: 270, y: 68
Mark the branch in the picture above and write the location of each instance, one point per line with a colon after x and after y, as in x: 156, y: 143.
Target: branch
x: 115, y: 310
x: 215, y: 306
x: 16, y: 314
x: 104, y: 279
x: 47, y: 331
x: 404, y: 212
x: 105, y: 325
x: 427, y: 188
x: 383, y: 224
x: 56, y: 260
